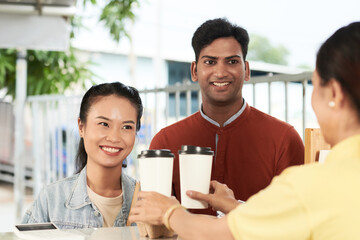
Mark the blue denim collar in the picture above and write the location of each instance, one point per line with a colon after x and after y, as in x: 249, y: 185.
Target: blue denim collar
x: 78, y: 197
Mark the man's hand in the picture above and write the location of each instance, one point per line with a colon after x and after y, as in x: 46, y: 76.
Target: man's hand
x: 221, y: 198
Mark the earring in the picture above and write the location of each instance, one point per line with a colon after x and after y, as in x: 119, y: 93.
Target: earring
x: 331, y: 104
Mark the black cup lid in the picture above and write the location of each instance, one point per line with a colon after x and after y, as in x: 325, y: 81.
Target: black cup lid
x: 156, y: 153
x: 189, y: 149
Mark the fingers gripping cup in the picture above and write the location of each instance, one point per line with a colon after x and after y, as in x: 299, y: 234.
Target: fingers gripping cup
x: 195, y: 173
x: 156, y: 168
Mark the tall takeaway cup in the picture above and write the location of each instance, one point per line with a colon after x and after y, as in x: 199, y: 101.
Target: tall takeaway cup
x: 195, y: 172
x: 155, y: 169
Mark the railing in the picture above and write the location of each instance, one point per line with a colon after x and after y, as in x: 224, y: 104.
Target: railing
x: 55, y: 137
x: 6, y: 140
x: 54, y: 119
x: 299, y: 82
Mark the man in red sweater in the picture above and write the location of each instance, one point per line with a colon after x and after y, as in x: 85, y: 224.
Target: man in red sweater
x: 250, y: 146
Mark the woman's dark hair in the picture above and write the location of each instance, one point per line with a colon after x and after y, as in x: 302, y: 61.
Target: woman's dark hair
x: 218, y: 28
x: 91, y: 96
x: 339, y: 58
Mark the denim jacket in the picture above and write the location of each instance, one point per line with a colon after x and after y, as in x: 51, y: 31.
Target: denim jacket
x: 67, y: 204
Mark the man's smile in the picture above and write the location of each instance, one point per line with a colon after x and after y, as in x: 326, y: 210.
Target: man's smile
x: 220, y: 84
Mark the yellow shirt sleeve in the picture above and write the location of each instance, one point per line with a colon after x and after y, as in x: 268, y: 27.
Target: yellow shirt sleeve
x: 276, y: 212
x: 312, y: 201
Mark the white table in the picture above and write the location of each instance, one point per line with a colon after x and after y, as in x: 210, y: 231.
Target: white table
x: 114, y: 233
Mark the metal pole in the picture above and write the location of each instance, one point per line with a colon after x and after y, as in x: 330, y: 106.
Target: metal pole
x: 286, y: 102
x: 304, y: 84
x: 254, y: 95
x: 155, y: 123
x: 36, y: 150
x: 188, y: 102
x: 19, y: 149
x: 157, y: 66
x: 177, y: 105
x: 157, y: 57
x: 167, y: 108
x: 269, y: 97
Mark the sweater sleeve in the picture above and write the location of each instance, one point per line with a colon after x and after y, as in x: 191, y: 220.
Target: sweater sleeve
x: 158, y: 141
x: 291, y: 151
x: 276, y: 212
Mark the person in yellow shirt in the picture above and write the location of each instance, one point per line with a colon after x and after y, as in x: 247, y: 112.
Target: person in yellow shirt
x: 314, y: 201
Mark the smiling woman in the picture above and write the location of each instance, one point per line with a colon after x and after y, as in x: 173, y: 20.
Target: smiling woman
x: 109, y: 130
x: 99, y: 195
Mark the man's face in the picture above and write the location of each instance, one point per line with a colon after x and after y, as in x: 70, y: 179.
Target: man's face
x: 221, y: 72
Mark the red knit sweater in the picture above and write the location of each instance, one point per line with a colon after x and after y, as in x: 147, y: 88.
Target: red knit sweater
x: 250, y: 151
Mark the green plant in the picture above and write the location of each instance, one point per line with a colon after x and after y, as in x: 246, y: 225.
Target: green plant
x: 115, y: 16
x: 261, y: 49
x: 48, y: 72
x: 7, y: 69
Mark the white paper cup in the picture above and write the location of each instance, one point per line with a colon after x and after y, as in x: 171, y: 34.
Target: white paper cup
x: 195, y: 172
x: 155, y: 169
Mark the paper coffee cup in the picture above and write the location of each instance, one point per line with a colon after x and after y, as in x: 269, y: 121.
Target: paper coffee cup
x: 155, y: 169
x: 195, y: 172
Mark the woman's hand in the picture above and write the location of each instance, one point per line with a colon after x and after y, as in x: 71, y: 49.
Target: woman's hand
x: 221, y: 198
x: 151, y: 207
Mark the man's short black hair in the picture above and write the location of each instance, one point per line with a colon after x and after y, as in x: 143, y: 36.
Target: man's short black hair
x: 218, y: 28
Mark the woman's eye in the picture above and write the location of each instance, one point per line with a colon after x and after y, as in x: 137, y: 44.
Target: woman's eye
x: 129, y: 127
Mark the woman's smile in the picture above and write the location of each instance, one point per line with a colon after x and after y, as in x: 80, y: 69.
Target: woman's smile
x: 110, y: 150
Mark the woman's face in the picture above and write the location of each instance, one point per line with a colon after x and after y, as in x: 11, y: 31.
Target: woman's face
x: 110, y: 130
x: 321, y: 96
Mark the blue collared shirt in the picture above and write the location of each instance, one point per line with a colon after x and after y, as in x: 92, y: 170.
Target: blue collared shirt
x: 67, y: 204
x: 230, y: 120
